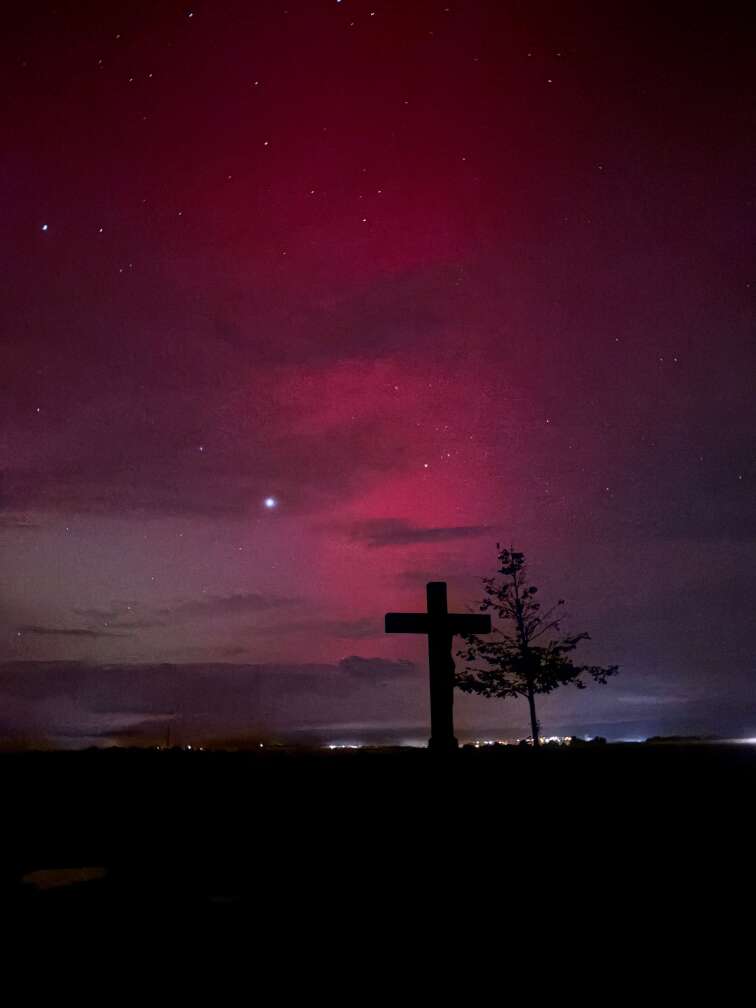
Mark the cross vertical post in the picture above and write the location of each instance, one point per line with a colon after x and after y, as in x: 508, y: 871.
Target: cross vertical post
x: 441, y: 669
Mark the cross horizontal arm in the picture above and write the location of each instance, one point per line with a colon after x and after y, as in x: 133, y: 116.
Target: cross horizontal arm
x: 454, y: 623
x: 469, y: 623
x: 406, y: 622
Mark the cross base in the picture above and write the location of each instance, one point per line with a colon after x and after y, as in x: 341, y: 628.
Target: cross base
x: 443, y: 745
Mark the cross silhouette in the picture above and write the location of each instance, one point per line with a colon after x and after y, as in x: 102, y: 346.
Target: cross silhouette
x: 440, y: 625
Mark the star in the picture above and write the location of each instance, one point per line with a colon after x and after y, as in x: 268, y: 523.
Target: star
x: 44, y: 227
x: 270, y: 503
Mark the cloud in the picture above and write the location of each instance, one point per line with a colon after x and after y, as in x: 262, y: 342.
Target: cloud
x: 380, y: 319
x: 11, y: 521
x: 132, y: 444
x: 151, y: 471
x: 380, y: 532
x: 111, y: 619
x: 209, y: 607
x: 352, y: 629
x: 64, y: 700
x: 651, y: 700
x: 356, y: 699
x: 377, y: 669
x: 46, y: 631
x: 98, y: 615
x: 226, y: 605
x: 363, y: 628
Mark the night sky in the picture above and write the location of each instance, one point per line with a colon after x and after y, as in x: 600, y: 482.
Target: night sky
x: 306, y: 303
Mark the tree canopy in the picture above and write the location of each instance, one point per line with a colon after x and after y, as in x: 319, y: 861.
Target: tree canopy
x: 528, y: 654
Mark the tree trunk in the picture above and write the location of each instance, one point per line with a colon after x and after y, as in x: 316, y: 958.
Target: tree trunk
x: 534, y: 726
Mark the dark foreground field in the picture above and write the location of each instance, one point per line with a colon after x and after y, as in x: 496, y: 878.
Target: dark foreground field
x: 359, y: 838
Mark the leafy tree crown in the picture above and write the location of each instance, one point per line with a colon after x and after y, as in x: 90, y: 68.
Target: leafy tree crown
x: 527, y: 653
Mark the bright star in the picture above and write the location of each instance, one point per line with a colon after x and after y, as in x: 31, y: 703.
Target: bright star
x: 44, y: 227
x: 270, y: 502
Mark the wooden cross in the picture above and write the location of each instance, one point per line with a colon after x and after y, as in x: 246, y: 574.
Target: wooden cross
x: 440, y: 625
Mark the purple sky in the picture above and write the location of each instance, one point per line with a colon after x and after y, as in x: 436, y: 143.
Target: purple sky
x: 427, y: 277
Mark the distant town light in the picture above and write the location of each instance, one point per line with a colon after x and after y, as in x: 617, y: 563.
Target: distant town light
x: 563, y: 740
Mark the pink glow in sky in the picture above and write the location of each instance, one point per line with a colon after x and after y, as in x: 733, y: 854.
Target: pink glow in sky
x: 425, y: 278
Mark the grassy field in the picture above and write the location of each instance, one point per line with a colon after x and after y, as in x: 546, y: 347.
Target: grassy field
x: 360, y: 835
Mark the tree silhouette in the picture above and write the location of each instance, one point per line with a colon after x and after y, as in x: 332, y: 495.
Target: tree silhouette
x: 522, y: 659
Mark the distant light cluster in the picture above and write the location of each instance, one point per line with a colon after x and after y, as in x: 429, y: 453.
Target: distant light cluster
x: 548, y: 740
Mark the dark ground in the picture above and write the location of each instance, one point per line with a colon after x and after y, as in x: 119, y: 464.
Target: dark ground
x: 372, y: 837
